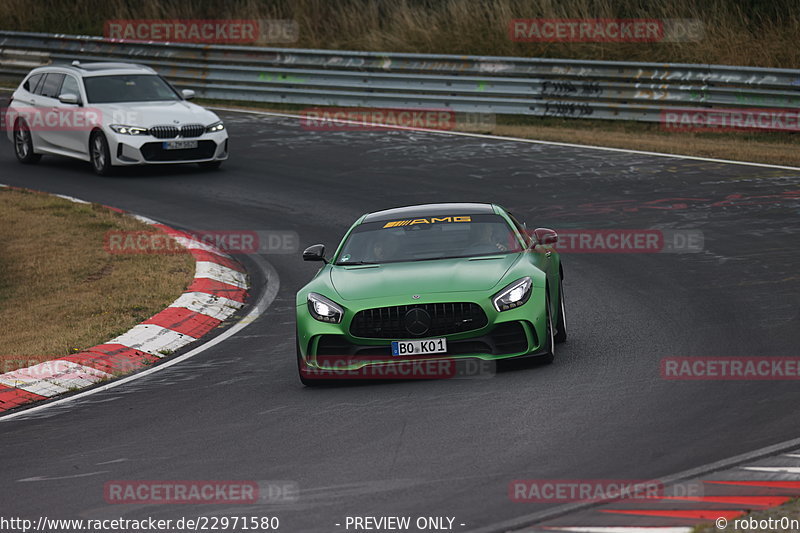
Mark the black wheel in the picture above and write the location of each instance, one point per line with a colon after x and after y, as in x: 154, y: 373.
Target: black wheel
x: 23, y: 144
x: 101, y: 157
x: 308, y: 382
x: 550, y: 354
x: 561, y: 323
x: 210, y: 165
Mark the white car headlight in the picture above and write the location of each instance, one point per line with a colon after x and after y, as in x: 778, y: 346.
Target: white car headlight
x: 215, y: 127
x: 128, y: 130
x: 513, y: 295
x: 324, y: 309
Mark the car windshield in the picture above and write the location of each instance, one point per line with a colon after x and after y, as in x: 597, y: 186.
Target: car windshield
x: 419, y: 239
x: 128, y: 88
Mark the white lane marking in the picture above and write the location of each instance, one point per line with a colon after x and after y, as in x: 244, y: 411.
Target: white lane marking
x: 622, y: 529
x: 774, y: 469
x: 271, y: 291
x: 221, y: 273
x: 72, y: 199
x: 112, y: 461
x: 53, y: 377
x: 152, y: 339
x: 144, y: 219
x: 201, y: 302
x: 48, y: 478
x: 517, y: 139
x: 792, y: 455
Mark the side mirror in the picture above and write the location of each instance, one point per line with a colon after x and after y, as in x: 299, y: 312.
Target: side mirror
x: 545, y: 236
x: 315, y: 253
x: 69, y: 98
x: 188, y: 94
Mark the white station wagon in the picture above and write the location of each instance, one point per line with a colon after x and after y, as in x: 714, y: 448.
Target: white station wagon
x: 111, y: 114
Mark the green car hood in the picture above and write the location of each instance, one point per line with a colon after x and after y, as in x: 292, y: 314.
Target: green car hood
x: 420, y: 277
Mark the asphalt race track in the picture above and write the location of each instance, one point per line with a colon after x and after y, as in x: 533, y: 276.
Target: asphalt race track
x: 436, y: 448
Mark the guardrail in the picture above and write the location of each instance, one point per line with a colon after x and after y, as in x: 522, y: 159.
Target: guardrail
x: 612, y: 90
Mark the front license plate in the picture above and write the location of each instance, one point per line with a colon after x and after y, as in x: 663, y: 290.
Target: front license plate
x: 420, y: 347
x: 179, y: 145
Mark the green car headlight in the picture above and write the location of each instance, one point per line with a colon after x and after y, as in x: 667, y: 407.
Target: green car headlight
x: 513, y: 295
x: 324, y: 309
x: 128, y: 130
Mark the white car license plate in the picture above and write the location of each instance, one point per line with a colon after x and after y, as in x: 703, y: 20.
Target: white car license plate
x: 179, y: 145
x: 419, y: 347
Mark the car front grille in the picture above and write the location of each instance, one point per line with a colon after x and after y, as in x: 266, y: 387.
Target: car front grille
x: 505, y: 339
x: 164, y: 132
x: 155, y: 152
x: 417, y: 320
x: 192, y: 130
x: 170, y: 132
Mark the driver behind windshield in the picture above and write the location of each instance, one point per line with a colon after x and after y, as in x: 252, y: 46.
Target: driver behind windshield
x: 487, y: 238
x: 384, y: 249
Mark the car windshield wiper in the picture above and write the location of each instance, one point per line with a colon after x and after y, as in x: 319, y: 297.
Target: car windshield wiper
x: 347, y: 263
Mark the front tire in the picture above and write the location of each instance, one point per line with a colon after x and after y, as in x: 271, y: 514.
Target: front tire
x: 100, y: 155
x: 23, y: 144
x: 550, y: 353
x: 561, y: 323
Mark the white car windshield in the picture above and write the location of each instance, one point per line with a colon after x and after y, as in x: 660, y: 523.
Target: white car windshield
x: 128, y: 88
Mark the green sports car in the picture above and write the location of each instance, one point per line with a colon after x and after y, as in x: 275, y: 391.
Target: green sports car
x: 430, y: 283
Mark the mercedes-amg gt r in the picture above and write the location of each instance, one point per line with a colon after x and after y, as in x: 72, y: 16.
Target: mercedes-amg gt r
x: 431, y: 282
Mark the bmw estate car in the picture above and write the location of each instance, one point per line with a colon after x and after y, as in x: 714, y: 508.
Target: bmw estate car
x: 111, y: 114
x: 427, y: 282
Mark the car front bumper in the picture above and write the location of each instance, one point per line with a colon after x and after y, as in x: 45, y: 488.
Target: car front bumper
x: 518, y: 332
x: 146, y: 149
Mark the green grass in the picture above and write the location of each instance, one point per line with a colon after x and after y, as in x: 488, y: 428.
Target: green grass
x: 54, y: 265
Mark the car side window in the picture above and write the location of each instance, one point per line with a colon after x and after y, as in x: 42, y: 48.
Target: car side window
x: 52, y: 85
x: 31, y: 83
x: 38, y: 88
x: 70, y: 86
